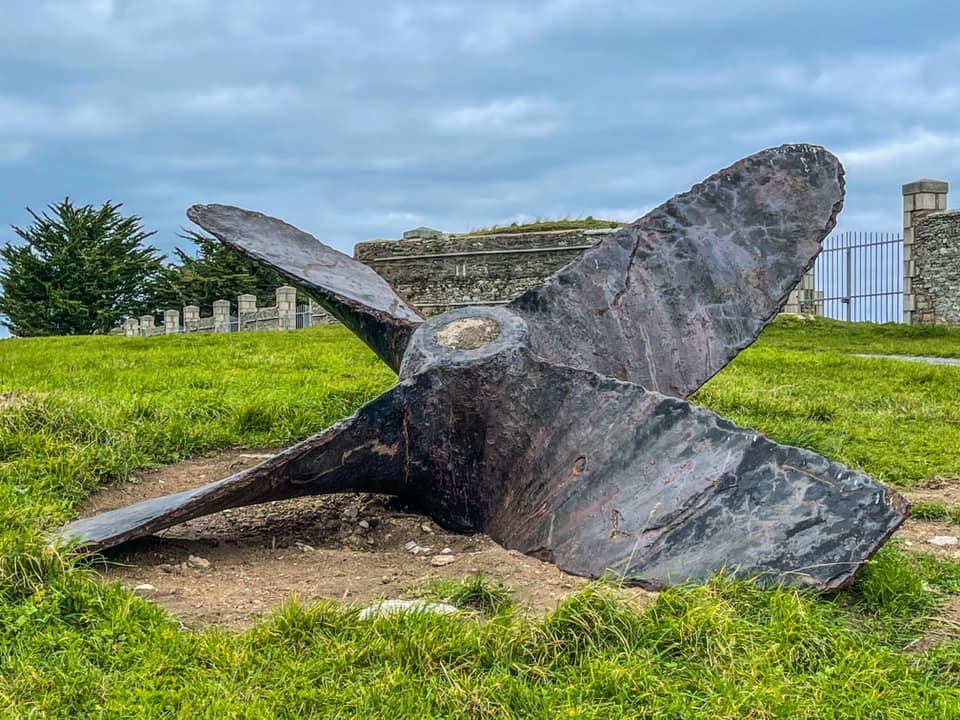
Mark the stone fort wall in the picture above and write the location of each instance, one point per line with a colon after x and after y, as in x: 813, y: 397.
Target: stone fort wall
x: 441, y: 272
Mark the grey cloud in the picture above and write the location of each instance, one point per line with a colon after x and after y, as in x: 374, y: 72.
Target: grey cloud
x: 356, y: 120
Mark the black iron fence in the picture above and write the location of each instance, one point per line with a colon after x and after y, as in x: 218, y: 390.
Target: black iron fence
x: 303, y: 315
x: 859, y: 277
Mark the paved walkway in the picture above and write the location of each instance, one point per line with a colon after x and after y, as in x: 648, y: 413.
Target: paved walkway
x: 955, y: 362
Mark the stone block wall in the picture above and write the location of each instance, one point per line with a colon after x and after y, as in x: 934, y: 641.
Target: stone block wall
x: 935, y: 255
x: 920, y: 199
x: 438, y: 272
x: 442, y: 272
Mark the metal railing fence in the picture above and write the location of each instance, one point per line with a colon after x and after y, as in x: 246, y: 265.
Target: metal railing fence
x: 859, y: 277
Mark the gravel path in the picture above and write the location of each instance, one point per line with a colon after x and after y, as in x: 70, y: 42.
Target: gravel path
x: 955, y: 362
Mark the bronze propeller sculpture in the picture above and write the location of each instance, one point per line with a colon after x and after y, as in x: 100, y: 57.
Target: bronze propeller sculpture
x: 557, y: 424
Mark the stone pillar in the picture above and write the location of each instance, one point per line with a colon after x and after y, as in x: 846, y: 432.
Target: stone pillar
x: 286, y: 308
x: 146, y: 325
x: 221, y: 316
x: 803, y: 298
x: 191, y: 318
x: 246, y: 312
x: 171, y: 322
x: 131, y: 327
x: 920, y: 198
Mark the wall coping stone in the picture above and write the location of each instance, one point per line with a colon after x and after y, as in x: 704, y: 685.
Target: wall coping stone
x: 926, y: 185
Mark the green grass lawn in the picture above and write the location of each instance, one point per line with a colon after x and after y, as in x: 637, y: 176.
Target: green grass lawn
x: 79, y: 412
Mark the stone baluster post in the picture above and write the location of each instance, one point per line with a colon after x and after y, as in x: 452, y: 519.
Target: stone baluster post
x: 920, y: 198
x: 191, y: 318
x: 803, y: 298
x: 287, y: 308
x: 247, y: 312
x: 171, y: 322
x: 807, y: 294
x: 221, y: 316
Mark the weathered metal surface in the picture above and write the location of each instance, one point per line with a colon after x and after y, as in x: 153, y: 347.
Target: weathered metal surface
x: 352, y: 292
x: 669, y: 300
x: 499, y: 423
x: 365, y: 452
x: 599, y: 475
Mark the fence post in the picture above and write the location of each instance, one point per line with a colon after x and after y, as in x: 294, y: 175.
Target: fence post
x: 131, y: 327
x: 146, y: 324
x: 191, y: 318
x: 221, y: 316
x: 171, y: 322
x: 246, y: 312
x: 920, y: 198
x: 287, y: 308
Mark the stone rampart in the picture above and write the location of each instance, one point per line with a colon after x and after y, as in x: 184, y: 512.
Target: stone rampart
x: 441, y: 273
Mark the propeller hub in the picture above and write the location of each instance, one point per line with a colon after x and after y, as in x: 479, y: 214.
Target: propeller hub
x: 466, y: 336
x: 468, y: 333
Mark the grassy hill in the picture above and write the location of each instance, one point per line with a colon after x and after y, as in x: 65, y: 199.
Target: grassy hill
x: 79, y: 412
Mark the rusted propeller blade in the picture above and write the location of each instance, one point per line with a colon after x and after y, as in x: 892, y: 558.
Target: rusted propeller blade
x: 668, y: 301
x: 351, y: 291
x: 495, y: 426
x: 366, y: 452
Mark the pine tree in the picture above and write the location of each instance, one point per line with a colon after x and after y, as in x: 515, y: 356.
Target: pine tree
x: 215, y: 272
x: 81, y: 270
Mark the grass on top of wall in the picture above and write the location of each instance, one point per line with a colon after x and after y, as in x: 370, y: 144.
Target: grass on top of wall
x: 587, y: 223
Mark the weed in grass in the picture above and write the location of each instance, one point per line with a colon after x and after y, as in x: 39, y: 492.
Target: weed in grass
x: 941, y: 574
x: 935, y: 511
x: 943, y: 662
x: 479, y: 593
x: 889, y: 585
x: 929, y: 511
x: 254, y: 416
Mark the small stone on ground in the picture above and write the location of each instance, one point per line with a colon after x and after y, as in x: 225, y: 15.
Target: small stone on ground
x: 393, y: 607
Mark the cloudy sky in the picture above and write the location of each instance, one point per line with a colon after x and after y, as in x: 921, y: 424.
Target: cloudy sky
x: 360, y: 119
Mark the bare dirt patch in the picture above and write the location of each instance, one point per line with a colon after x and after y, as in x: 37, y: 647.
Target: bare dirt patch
x: 233, y: 567
x: 936, y: 490
x: 917, y: 534
x: 13, y: 399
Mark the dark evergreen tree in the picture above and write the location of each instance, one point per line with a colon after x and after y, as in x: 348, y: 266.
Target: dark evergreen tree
x: 82, y: 270
x: 215, y: 272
